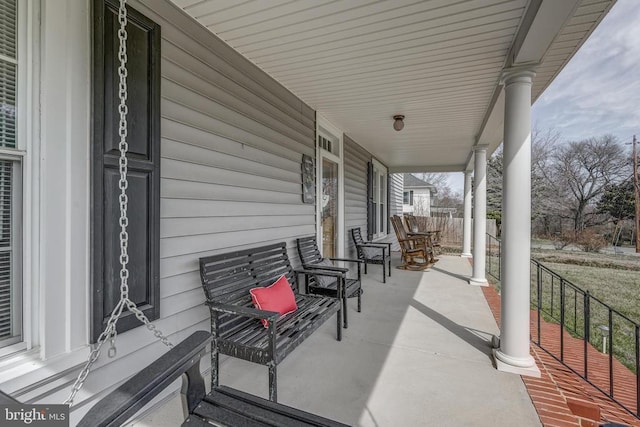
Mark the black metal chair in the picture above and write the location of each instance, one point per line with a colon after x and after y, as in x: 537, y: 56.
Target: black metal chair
x: 326, y: 285
x: 372, y: 253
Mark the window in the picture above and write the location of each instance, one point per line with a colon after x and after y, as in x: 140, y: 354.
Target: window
x: 10, y: 179
x: 378, y: 209
x: 326, y: 144
x: 407, y: 198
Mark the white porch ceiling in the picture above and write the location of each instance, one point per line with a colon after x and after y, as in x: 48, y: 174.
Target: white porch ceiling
x: 438, y: 62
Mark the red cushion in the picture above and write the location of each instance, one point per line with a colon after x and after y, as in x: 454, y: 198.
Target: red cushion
x: 277, y: 297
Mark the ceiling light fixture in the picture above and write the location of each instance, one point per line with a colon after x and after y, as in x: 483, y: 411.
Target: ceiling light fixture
x: 398, y: 123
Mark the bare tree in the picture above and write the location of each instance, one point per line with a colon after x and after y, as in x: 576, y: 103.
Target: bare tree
x: 546, y: 206
x: 581, y: 172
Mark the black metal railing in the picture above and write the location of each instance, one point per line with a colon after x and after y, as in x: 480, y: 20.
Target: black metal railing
x: 493, y: 257
x: 585, y: 317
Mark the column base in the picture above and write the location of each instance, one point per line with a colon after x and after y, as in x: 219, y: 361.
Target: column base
x: 466, y: 255
x: 478, y: 281
x: 512, y: 365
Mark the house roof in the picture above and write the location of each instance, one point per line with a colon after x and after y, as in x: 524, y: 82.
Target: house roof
x: 439, y: 63
x: 412, y: 181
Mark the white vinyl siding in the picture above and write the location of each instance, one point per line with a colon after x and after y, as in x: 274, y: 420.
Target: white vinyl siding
x: 10, y: 191
x: 231, y: 146
x: 396, y: 185
x: 355, y: 191
x: 232, y: 141
x: 396, y: 181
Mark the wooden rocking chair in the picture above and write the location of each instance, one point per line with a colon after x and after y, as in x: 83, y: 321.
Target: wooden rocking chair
x: 414, y: 229
x: 412, y: 248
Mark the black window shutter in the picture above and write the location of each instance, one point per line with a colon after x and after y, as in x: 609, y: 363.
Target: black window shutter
x: 143, y: 81
x: 371, y: 217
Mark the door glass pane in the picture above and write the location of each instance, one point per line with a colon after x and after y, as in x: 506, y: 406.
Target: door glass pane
x: 329, y: 208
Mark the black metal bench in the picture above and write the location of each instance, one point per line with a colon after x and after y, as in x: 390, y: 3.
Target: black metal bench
x: 312, y: 259
x: 223, y: 406
x: 237, y: 332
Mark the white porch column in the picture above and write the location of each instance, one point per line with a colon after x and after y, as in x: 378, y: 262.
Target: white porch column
x: 479, y: 216
x: 513, y: 354
x: 466, y: 226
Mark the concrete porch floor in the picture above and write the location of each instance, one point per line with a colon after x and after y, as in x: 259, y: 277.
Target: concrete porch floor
x: 417, y: 355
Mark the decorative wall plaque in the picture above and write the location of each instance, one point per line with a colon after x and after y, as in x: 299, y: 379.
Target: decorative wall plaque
x: 308, y: 180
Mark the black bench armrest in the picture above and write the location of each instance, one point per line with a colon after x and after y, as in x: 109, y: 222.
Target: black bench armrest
x: 122, y: 403
x: 347, y: 260
x: 314, y: 272
x: 373, y: 245
x: 243, y: 311
x: 327, y: 268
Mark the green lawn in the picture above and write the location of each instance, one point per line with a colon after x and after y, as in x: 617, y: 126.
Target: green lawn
x: 617, y: 287
x: 612, y: 279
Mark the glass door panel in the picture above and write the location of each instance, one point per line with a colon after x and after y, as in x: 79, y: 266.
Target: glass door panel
x: 329, y: 207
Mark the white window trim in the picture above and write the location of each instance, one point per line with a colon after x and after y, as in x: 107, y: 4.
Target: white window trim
x: 29, y: 142
x: 380, y: 167
x: 325, y: 127
x: 26, y: 364
x: 22, y: 180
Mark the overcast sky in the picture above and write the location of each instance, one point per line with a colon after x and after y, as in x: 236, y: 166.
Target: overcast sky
x: 598, y: 92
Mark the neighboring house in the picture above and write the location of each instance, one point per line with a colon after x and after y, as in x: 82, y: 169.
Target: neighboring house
x: 417, y: 196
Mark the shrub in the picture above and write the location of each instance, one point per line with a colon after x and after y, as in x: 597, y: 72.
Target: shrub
x: 590, y: 241
x: 562, y: 240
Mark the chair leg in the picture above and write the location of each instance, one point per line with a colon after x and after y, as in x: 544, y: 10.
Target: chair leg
x: 360, y: 299
x: 339, y: 323
x: 344, y: 309
x: 365, y: 268
x: 273, y: 381
x: 389, y: 266
x: 384, y: 272
x: 215, y: 356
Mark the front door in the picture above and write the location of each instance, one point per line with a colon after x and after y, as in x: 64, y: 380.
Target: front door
x: 329, y: 215
x: 329, y: 206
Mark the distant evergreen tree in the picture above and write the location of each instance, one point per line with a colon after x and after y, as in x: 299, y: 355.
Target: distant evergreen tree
x: 618, y: 201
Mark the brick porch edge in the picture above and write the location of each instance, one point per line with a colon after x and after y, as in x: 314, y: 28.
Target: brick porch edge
x: 561, y: 397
